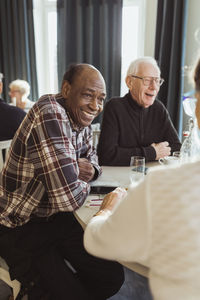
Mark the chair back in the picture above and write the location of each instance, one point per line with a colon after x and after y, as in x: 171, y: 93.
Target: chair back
x: 4, y: 147
x: 96, y: 133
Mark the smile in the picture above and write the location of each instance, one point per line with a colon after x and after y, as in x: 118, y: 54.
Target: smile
x: 150, y: 95
x: 90, y: 115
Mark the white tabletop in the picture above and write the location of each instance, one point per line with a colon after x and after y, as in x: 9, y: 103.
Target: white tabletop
x: 113, y: 176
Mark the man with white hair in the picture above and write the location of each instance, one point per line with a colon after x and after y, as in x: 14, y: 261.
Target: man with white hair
x: 138, y: 123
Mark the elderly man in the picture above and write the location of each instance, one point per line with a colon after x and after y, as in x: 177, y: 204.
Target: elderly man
x: 10, y: 117
x: 45, y: 179
x: 138, y: 123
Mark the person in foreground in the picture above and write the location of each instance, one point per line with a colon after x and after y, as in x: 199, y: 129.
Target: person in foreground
x: 10, y: 117
x: 19, y: 92
x: 138, y: 123
x: 156, y: 224
x: 46, y: 177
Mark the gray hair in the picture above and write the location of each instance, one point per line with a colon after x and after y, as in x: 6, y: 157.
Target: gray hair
x: 134, y: 66
x: 1, y: 76
x: 22, y: 85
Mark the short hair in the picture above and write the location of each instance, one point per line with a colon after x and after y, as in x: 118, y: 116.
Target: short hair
x: 134, y: 65
x: 75, y: 70
x: 22, y: 85
x: 1, y: 77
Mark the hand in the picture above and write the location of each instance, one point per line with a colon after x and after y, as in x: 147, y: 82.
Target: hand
x: 111, y: 199
x: 162, y: 149
x: 86, y: 170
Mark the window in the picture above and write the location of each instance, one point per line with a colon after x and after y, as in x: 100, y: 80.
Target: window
x: 133, y: 27
x: 45, y: 25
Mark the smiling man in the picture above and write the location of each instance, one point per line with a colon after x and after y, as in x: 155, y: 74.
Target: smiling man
x: 44, y: 180
x: 138, y: 123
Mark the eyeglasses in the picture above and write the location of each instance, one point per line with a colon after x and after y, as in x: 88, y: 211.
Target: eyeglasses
x: 14, y: 91
x: 149, y: 80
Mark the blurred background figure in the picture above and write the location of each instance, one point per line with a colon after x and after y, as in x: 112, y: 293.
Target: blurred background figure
x: 19, y: 92
x: 10, y: 117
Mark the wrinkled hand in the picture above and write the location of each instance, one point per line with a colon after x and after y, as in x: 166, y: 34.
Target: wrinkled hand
x: 162, y: 149
x: 111, y: 199
x: 86, y: 170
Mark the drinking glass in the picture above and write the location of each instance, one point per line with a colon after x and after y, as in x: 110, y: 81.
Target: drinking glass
x: 137, y: 169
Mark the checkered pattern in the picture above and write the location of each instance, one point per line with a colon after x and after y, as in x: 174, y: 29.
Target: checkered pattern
x: 40, y: 176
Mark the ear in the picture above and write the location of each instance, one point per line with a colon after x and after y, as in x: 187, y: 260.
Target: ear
x: 129, y: 82
x: 66, y: 87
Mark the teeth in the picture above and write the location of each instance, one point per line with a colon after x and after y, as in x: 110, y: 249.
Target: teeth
x: 89, y: 114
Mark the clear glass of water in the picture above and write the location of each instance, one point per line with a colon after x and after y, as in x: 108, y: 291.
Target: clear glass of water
x: 137, y: 168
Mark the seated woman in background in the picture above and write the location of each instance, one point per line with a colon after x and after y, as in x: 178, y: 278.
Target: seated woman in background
x: 10, y: 117
x: 19, y: 92
x: 156, y: 224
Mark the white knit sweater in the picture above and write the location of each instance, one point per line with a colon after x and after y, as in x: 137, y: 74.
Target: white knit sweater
x: 157, y: 225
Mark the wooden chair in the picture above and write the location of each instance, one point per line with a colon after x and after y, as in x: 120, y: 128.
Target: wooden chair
x: 5, y: 276
x: 96, y: 133
x: 4, y: 145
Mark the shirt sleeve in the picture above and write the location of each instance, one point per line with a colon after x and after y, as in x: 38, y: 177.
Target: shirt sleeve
x: 54, y: 158
x: 123, y: 235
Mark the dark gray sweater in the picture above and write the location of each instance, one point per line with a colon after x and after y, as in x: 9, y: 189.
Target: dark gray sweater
x: 10, y: 119
x: 129, y: 129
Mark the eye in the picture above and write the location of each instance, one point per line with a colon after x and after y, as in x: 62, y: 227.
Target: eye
x: 101, y: 100
x: 87, y: 95
x: 157, y: 80
x: 147, y: 81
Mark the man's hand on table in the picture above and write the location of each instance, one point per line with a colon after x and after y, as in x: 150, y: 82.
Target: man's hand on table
x: 86, y: 170
x: 110, y: 200
x: 162, y: 149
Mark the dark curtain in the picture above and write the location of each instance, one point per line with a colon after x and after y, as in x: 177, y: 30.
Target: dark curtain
x: 170, y: 53
x: 17, y: 44
x: 89, y: 31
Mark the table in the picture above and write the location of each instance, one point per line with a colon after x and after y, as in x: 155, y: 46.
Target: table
x: 111, y: 176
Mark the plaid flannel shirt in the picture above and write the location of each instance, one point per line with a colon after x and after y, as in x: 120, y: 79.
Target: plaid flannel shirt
x: 40, y: 176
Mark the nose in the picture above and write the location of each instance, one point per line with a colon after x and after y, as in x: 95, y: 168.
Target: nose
x: 94, y: 104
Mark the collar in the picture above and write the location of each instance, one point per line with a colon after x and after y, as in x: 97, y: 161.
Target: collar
x: 133, y: 102
x: 74, y: 126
